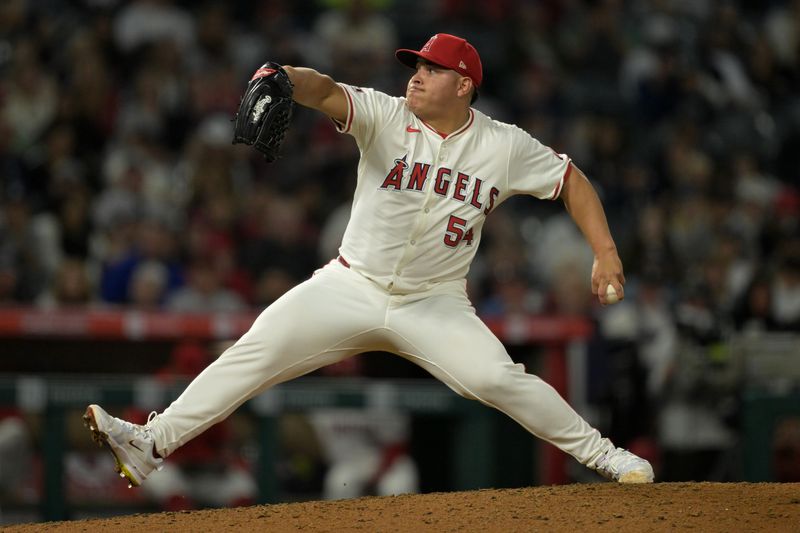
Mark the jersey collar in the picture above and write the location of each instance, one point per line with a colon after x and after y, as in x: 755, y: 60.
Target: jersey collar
x: 459, y: 131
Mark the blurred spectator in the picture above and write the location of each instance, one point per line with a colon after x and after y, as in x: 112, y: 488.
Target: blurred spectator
x: 30, y: 94
x: 71, y: 287
x: 204, y: 292
x: 154, y: 242
x: 725, y: 81
x: 645, y: 318
x: 144, y: 21
x: 785, y: 290
x: 330, y: 238
x: 509, y: 295
x: 753, y: 311
x: 570, y: 291
x: 67, y: 232
x: 13, y: 17
x: 782, y: 30
x: 651, y: 250
x: 23, y: 276
x: 480, y: 21
x: 91, y: 97
x: 359, y: 40
x: 557, y: 244
x: 279, y: 235
x: 271, y: 285
x: 366, y: 450
x: 16, y: 459
x: 147, y: 287
x: 786, y: 450
x: 756, y: 191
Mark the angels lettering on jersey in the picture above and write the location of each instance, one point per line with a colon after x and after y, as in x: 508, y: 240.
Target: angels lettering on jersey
x: 447, y: 183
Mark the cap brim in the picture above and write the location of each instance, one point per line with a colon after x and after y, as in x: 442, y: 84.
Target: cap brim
x: 408, y: 57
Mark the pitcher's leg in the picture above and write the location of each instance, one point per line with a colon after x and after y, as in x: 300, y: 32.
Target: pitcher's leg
x: 319, y: 322
x: 443, y: 335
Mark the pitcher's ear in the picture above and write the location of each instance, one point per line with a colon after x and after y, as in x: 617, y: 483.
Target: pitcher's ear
x: 465, y: 86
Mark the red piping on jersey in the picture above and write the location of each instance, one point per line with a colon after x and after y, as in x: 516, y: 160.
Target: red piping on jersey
x: 351, y: 111
x: 457, y: 132
x: 343, y: 261
x: 563, y: 181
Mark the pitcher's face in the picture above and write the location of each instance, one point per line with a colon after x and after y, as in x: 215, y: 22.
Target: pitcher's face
x: 432, y: 89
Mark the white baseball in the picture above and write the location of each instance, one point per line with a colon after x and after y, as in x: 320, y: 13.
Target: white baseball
x: 611, y: 294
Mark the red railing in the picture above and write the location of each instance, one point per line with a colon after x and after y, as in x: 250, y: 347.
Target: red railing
x: 126, y: 324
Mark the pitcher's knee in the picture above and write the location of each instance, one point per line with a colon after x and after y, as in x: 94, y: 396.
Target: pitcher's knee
x: 488, y: 384
x: 258, y: 358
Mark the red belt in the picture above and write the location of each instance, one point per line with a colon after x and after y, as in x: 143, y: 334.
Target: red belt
x: 343, y: 261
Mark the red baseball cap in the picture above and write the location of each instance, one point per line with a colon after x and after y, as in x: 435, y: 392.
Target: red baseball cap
x: 447, y: 51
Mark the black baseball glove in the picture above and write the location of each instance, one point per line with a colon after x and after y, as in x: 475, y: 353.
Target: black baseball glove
x: 265, y: 111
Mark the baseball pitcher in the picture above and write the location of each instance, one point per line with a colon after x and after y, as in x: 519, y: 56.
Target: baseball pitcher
x: 431, y: 170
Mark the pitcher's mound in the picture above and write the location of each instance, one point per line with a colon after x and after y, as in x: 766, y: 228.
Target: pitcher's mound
x: 722, y: 507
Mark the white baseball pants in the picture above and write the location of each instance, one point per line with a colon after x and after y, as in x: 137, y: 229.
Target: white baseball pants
x: 339, y: 313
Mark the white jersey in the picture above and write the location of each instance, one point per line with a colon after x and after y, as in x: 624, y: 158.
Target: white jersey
x: 421, y: 199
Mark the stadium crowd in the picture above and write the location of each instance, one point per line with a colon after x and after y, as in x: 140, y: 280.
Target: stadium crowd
x: 120, y: 185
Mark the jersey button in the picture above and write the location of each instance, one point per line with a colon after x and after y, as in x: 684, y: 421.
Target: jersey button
x: 398, y: 272
x: 413, y: 242
x: 427, y: 210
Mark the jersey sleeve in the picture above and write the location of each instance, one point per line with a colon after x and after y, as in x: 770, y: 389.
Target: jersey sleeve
x: 536, y: 169
x: 368, y: 112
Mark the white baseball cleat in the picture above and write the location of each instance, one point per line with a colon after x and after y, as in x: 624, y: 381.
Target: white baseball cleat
x: 131, y: 444
x: 622, y: 466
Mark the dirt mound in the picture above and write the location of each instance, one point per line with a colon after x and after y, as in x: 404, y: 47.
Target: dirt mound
x: 703, y: 507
